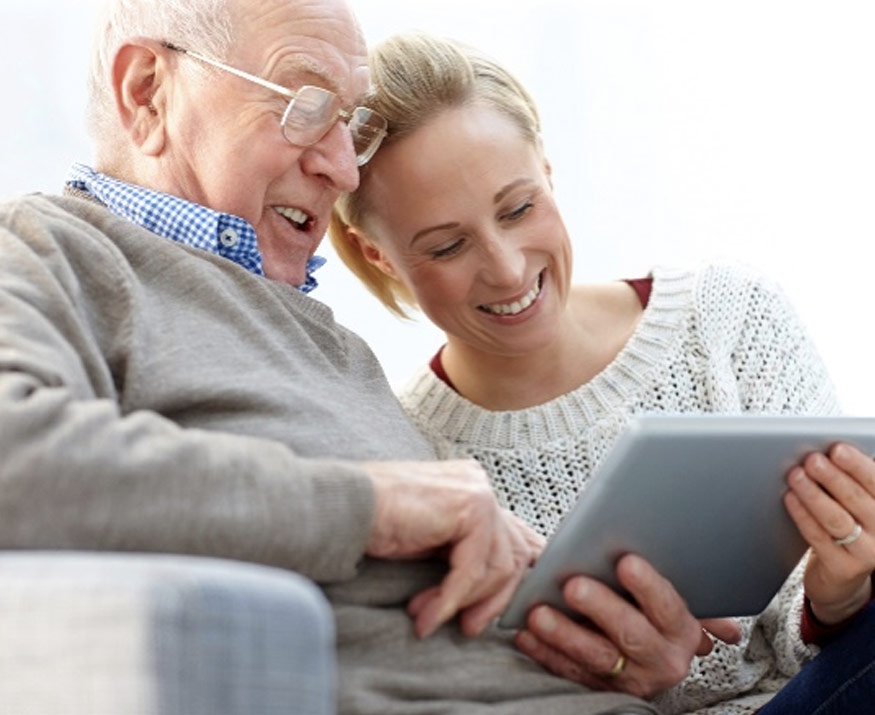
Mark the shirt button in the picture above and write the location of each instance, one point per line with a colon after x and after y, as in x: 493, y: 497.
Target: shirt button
x: 229, y: 238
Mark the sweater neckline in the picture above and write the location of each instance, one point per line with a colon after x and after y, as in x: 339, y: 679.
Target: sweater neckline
x: 598, y: 400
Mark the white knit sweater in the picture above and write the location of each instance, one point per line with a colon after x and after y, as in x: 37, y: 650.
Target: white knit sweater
x: 722, y: 339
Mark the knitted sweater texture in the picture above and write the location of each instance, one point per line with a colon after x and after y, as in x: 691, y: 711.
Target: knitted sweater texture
x: 722, y: 339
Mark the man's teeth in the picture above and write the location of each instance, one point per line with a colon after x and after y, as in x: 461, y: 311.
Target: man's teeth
x: 518, y: 306
x: 296, y: 216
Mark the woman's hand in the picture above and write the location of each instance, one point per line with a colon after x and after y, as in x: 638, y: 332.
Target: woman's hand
x: 829, y: 496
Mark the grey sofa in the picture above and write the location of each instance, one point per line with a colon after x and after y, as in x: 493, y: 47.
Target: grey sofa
x: 146, y: 634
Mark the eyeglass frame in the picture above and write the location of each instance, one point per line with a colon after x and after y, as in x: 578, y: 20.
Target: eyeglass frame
x: 342, y: 114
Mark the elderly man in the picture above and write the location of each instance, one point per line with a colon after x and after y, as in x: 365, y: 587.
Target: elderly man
x: 166, y: 384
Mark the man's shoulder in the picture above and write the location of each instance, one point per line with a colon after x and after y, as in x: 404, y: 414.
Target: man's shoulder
x: 31, y: 202
x: 33, y: 209
x: 68, y: 237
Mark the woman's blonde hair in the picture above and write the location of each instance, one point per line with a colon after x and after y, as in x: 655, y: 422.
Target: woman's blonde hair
x: 415, y: 76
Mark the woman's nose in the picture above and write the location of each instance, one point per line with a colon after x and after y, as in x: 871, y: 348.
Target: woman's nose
x: 504, y: 263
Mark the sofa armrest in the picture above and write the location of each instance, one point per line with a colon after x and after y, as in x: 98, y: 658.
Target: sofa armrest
x: 86, y: 633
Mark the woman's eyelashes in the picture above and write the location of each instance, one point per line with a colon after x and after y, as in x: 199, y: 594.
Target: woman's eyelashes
x: 451, y: 248
x: 518, y: 212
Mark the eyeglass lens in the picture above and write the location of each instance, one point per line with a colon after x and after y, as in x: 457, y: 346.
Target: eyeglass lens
x: 312, y: 113
x: 368, y: 129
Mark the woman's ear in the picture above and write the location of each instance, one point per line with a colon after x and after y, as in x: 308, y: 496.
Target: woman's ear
x: 371, y: 252
x: 136, y: 81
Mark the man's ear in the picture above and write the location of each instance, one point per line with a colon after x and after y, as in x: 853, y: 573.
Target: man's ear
x: 372, y: 253
x: 136, y: 79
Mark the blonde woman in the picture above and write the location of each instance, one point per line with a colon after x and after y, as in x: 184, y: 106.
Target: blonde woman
x: 455, y: 214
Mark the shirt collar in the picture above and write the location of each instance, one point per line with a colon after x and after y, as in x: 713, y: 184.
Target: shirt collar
x: 182, y: 221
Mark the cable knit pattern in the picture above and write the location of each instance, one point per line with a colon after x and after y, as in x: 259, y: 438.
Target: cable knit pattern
x: 722, y: 339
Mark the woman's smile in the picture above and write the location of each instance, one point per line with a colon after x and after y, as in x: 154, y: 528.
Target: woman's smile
x: 517, y: 306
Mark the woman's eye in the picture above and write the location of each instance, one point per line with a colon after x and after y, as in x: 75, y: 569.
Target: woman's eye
x: 448, y: 250
x: 519, y: 211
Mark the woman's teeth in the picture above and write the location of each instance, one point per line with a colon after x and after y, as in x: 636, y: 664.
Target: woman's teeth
x: 518, y: 306
x: 296, y: 216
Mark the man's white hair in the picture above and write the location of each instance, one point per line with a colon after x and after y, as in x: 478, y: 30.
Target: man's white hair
x: 201, y: 25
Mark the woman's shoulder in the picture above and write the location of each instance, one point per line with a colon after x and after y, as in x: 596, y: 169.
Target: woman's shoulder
x: 732, y: 300
x: 713, y: 277
x: 740, y: 292
x: 720, y: 286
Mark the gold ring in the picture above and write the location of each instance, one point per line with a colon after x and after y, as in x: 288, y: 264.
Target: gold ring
x: 618, y: 666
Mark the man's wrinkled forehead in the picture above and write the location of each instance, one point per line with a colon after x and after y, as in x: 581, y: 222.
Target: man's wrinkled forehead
x: 320, y: 40
x: 360, y: 75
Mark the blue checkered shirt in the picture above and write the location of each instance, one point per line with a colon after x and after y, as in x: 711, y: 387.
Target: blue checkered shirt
x: 179, y: 220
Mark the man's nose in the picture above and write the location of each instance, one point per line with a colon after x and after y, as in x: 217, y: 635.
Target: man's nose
x: 333, y: 157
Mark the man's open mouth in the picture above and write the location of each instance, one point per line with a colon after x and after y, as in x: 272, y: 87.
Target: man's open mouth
x: 300, y: 219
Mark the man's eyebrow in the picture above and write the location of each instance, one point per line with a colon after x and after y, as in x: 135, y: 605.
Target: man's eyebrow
x: 316, y: 73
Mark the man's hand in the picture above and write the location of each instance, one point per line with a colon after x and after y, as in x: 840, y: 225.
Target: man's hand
x: 641, y: 650
x: 449, y: 506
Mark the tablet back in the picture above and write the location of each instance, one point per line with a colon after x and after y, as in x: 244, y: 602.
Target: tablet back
x: 700, y: 497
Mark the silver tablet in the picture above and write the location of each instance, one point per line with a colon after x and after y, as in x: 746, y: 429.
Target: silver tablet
x: 700, y: 497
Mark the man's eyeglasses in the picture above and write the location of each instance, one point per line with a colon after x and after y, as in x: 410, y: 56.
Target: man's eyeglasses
x: 312, y: 112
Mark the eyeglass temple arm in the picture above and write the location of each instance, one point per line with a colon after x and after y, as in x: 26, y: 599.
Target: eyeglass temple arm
x: 233, y: 70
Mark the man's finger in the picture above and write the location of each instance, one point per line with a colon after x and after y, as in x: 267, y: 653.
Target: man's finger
x: 477, y: 562
x: 727, y: 630
x: 657, y: 598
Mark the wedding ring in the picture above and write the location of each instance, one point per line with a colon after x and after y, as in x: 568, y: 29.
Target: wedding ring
x: 850, y: 538
x: 618, y: 666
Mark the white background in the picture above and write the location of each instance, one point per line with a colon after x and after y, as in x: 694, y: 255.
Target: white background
x: 679, y: 131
